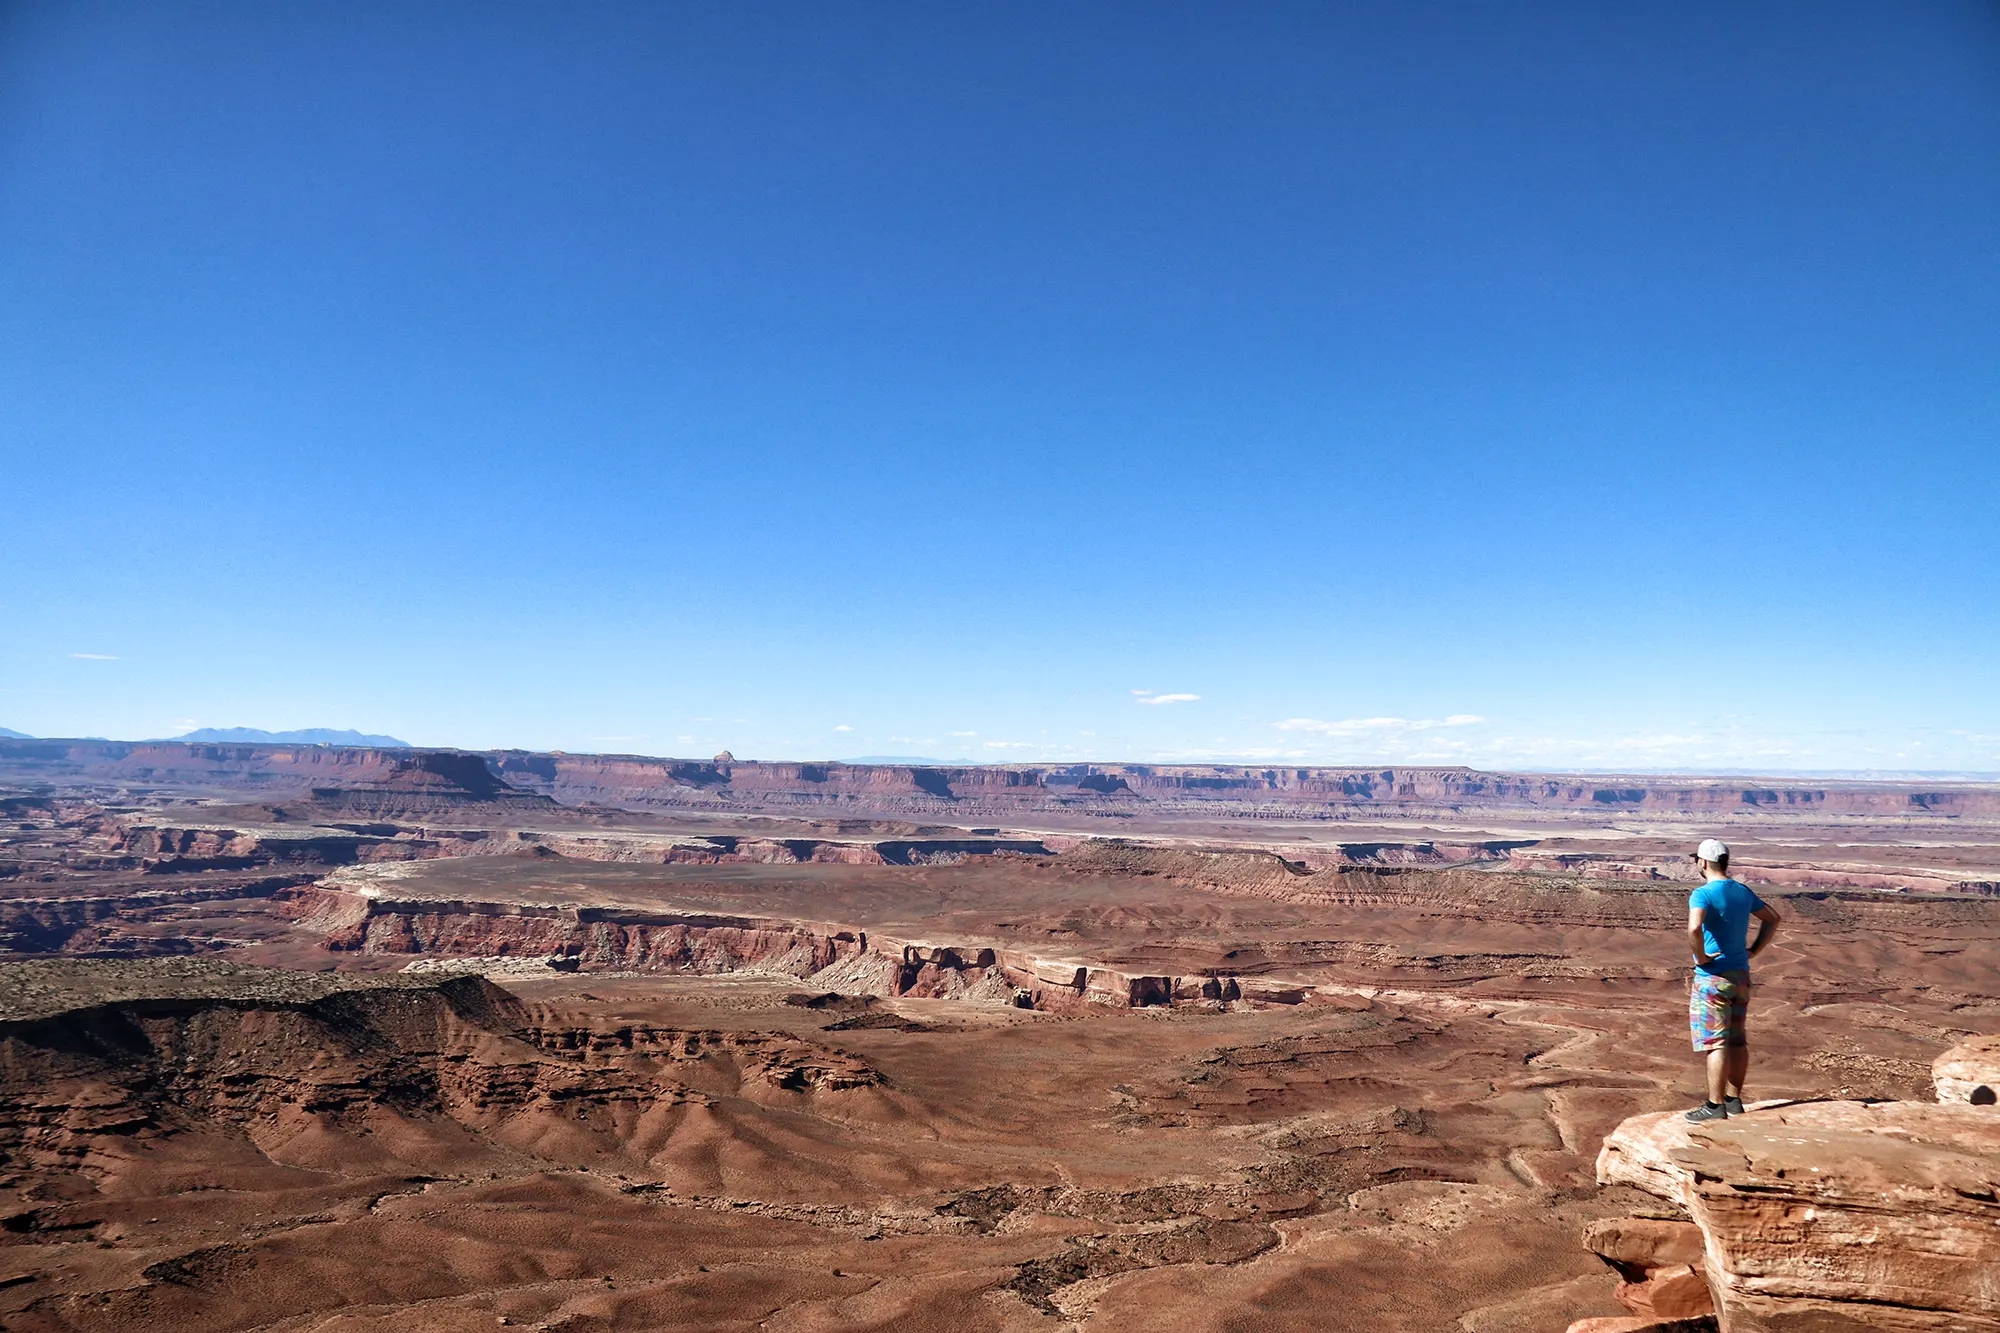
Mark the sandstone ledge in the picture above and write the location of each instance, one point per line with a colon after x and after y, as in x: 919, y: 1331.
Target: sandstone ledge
x: 1833, y: 1215
x: 1969, y: 1072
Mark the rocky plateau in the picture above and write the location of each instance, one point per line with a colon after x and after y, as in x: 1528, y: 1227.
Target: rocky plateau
x: 304, y: 1037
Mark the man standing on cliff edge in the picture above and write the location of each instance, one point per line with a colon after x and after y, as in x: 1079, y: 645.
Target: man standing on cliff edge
x: 1719, y: 915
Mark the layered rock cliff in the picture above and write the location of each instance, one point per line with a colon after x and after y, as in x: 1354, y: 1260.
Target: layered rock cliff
x: 168, y: 846
x: 98, y: 1056
x: 359, y: 913
x: 1833, y: 1216
x: 622, y: 780
x: 634, y: 781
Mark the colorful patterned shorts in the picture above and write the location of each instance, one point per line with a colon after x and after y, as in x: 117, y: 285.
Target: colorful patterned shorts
x: 1719, y: 1010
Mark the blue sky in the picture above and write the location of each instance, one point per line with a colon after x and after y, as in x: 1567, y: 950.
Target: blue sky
x: 1559, y: 385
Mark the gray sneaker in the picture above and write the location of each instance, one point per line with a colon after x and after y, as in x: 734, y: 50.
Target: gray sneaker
x: 1708, y: 1111
x: 1733, y: 1105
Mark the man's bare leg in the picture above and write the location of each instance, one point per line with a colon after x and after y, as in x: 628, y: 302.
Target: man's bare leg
x: 1738, y: 1069
x: 1718, y: 1073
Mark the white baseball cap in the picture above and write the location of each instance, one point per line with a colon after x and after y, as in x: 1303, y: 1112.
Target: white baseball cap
x: 1712, y: 849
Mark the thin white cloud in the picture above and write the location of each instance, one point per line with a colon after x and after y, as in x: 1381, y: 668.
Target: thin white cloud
x: 1009, y: 745
x: 1363, y: 726
x: 961, y: 733
x: 1169, y: 699
x: 1142, y: 691
x: 843, y: 727
x: 94, y: 657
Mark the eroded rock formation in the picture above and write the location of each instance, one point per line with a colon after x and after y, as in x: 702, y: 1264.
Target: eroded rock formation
x: 1824, y: 1215
x: 278, y: 838
x: 356, y: 912
x: 1969, y: 1072
x: 96, y: 1057
x: 1660, y: 1262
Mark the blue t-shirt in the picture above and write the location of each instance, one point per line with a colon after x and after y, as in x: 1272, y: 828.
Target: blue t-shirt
x: 1725, y: 925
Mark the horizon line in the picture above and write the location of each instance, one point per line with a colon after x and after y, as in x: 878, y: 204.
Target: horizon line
x: 1978, y: 776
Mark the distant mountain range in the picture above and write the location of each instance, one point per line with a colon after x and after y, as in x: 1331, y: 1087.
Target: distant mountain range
x: 8, y: 734
x: 303, y: 736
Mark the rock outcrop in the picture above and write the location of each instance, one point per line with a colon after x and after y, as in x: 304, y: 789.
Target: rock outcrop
x: 362, y: 911
x: 96, y: 1055
x: 173, y: 846
x: 1832, y: 1215
x: 1660, y: 1261
x: 1969, y: 1072
x: 103, y: 923
x: 425, y: 781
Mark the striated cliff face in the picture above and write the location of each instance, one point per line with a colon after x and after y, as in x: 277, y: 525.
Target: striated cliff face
x: 427, y: 780
x: 132, y: 842
x: 99, y: 1059
x: 403, y: 779
x: 362, y: 916
x: 347, y: 779
x: 171, y: 847
x: 291, y: 768
x: 103, y: 922
x: 1822, y: 1215
x: 632, y: 780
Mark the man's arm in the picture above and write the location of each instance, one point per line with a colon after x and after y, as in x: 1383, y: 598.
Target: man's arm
x: 1695, y: 942
x: 1767, y: 927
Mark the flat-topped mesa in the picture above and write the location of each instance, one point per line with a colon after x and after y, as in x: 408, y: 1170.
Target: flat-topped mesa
x: 335, y: 772
x: 360, y: 911
x: 1832, y: 1215
x: 440, y: 778
x: 167, y: 844
x: 639, y: 781
x: 170, y: 846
